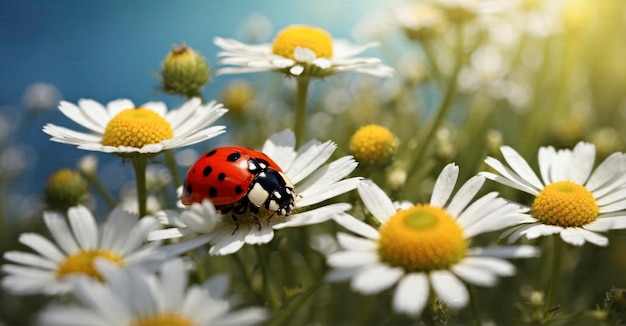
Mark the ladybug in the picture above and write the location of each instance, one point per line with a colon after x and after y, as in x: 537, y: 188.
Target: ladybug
x: 237, y: 179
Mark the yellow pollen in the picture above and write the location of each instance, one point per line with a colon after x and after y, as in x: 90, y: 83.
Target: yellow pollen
x: 82, y: 263
x: 373, y: 144
x: 136, y: 128
x: 165, y: 319
x: 422, y: 238
x: 315, y: 39
x: 565, y: 204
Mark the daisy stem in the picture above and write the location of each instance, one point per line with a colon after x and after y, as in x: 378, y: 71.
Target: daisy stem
x: 171, y: 165
x: 283, y: 318
x: 474, y: 303
x: 300, y: 123
x: 442, y: 112
x: 97, y: 185
x: 268, y: 290
x: 139, y: 164
x: 557, y: 258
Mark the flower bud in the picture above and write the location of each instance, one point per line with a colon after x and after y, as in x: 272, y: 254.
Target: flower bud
x: 66, y: 188
x: 184, y: 72
x: 374, y: 145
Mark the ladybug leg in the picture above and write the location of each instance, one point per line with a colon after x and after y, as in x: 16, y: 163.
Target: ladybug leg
x: 269, y: 218
x: 236, y: 220
x: 255, y: 214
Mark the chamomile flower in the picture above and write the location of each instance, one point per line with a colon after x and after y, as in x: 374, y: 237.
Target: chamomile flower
x: 569, y: 200
x: 427, y: 246
x: 299, y: 50
x: 122, y: 128
x: 314, y: 183
x: 133, y: 297
x: 120, y: 240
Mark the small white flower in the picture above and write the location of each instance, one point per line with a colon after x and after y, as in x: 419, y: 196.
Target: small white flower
x: 120, y: 240
x: 569, y: 200
x: 134, y: 297
x: 427, y: 246
x: 123, y: 128
x: 314, y: 183
x: 299, y: 51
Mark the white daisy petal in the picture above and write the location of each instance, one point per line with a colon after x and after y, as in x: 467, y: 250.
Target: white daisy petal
x: 584, y: 154
x: 376, y: 278
x: 614, y: 221
x: 593, y: 237
x: 227, y: 243
x: 520, y: 166
x: 83, y: 226
x: 376, y: 200
x: 449, y: 289
x: 605, y: 172
x: 444, y: 185
x: 573, y: 236
x: 60, y: 231
x: 29, y: 259
x: 506, y: 251
x: 465, y: 194
x: 351, y: 223
x: 261, y: 235
x: 42, y: 246
x: 314, y: 216
x: 280, y: 148
x: 546, y: 156
x: 474, y: 275
x: 508, y: 178
x: 493, y: 265
x: 353, y: 243
x: 340, y: 274
x: 346, y: 259
x: 539, y: 230
x: 411, y: 294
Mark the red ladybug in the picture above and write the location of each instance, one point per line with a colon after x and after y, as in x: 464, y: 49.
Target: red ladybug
x: 236, y: 179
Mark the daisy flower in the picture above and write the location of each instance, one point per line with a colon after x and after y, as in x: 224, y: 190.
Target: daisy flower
x: 427, y: 246
x: 122, y: 128
x: 134, y: 297
x: 569, y: 200
x: 120, y: 240
x: 313, y: 182
x: 299, y: 50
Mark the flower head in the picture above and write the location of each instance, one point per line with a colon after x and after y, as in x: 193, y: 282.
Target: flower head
x: 299, y: 50
x: 427, y: 245
x: 119, y: 240
x: 570, y: 200
x: 421, y: 21
x: 134, y: 297
x: 374, y: 145
x: 65, y: 188
x: 124, y: 129
x: 314, y: 183
x: 184, y: 72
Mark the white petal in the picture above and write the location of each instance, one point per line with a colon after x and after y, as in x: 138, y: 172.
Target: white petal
x: 546, y: 156
x: 309, y: 159
x: 584, y: 154
x: 353, y: 243
x: 508, y: 178
x: 614, y: 221
x: 536, y: 231
x: 376, y: 200
x: 60, y: 232
x: 317, y: 195
x: 605, y: 171
x: 227, y: 243
x: 449, y: 289
x: 42, y: 245
x: 520, y: 166
x: 342, y: 274
x: 174, y: 283
x: 411, y: 294
x: 170, y: 233
x: 314, y: 216
x: 84, y: 226
x: 29, y: 259
x: 465, y: 195
x: 597, y: 239
x: 246, y: 316
x: 179, y: 248
x: 522, y: 251
x: 474, y: 275
x: 346, y: 259
x: 296, y: 70
x: 572, y: 236
x: 444, y: 185
x: 138, y: 234
x: 353, y: 224
x: 256, y: 236
x: 117, y: 106
x: 376, y: 278
x: 280, y: 147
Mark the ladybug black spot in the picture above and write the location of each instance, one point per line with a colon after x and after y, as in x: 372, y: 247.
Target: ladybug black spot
x: 233, y: 157
x: 207, y: 170
x: 263, y: 163
x: 221, y: 176
x: 211, y: 153
x: 212, y: 192
x: 238, y: 190
x: 188, y: 188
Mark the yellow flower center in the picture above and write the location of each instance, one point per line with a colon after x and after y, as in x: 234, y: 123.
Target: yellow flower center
x: 422, y: 238
x: 565, y: 204
x: 373, y: 144
x: 166, y: 319
x: 82, y: 263
x: 315, y: 39
x: 136, y: 128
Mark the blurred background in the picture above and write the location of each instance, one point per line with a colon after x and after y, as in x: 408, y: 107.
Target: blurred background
x: 527, y: 73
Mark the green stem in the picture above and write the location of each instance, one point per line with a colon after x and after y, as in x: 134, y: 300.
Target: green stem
x: 557, y: 258
x: 430, y: 56
x: 170, y: 162
x: 474, y: 304
x: 444, y: 108
x: 97, y: 185
x: 300, y: 123
x: 244, y: 273
x: 270, y: 294
x: 284, y: 317
x: 139, y: 164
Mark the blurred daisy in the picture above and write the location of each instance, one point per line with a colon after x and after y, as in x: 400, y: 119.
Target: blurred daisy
x: 299, y: 50
x: 313, y: 182
x: 420, y: 21
x: 427, y: 246
x: 571, y: 200
x: 133, y: 297
x: 122, y: 128
x: 119, y: 240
